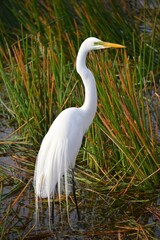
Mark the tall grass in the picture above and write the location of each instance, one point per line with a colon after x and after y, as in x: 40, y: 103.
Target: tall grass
x: 120, y: 151
x: 109, y: 20
x: 35, y: 85
x: 126, y: 119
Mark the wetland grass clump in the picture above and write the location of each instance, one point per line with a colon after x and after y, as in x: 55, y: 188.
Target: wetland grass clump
x: 121, y: 150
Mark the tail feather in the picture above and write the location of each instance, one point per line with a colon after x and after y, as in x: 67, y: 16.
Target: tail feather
x: 52, y: 163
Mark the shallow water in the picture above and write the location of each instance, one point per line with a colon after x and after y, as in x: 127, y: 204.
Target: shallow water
x: 102, y: 216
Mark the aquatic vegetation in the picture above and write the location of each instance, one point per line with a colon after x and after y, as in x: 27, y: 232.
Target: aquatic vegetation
x: 118, y: 165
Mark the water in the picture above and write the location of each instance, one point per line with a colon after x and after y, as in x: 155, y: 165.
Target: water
x: 103, y: 216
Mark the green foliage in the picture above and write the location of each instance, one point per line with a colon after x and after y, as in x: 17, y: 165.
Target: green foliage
x: 38, y: 52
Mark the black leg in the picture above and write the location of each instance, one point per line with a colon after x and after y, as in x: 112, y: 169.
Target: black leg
x: 53, y: 211
x: 74, y: 194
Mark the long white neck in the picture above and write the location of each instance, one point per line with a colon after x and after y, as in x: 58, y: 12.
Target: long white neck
x: 90, y: 103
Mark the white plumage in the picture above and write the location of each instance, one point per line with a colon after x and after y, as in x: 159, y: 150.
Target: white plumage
x: 61, y: 144
x: 58, y: 151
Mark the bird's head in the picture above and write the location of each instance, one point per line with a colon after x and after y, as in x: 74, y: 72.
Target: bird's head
x: 93, y: 43
x: 88, y: 45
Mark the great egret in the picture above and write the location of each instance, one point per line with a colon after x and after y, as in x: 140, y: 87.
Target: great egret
x: 61, y: 144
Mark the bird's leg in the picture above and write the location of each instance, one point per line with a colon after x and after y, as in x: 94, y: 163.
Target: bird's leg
x: 74, y: 194
x: 53, y: 210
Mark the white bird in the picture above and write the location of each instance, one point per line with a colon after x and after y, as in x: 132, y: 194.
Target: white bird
x: 61, y: 144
